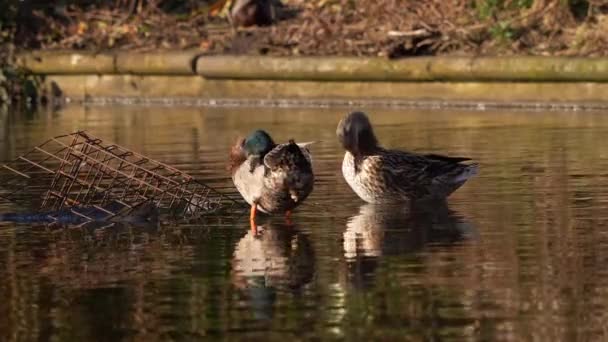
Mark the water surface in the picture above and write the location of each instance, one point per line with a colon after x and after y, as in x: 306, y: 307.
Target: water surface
x: 519, y: 252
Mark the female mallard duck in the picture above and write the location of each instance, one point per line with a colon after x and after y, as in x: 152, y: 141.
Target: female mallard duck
x: 271, y: 178
x: 379, y: 175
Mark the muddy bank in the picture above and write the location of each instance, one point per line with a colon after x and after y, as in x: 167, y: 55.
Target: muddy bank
x: 387, y: 28
x: 383, y: 29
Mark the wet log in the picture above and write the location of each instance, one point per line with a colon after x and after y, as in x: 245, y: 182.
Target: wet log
x: 312, y: 68
x: 69, y: 62
x: 158, y: 63
x: 442, y: 68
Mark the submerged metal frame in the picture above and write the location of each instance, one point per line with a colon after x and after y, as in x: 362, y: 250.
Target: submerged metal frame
x: 79, y: 170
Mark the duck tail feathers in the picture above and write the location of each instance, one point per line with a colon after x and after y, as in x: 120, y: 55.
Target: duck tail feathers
x: 467, y: 172
x: 305, y: 144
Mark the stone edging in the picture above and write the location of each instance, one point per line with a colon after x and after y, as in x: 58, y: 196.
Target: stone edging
x: 417, y: 69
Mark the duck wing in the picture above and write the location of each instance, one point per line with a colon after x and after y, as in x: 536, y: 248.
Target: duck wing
x: 290, y: 169
x: 422, y: 175
x: 446, y: 158
x: 290, y: 156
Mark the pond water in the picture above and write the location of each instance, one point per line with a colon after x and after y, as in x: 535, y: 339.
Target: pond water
x: 519, y: 253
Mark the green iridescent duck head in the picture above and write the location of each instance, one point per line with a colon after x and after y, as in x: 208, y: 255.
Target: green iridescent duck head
x: 258, y: 143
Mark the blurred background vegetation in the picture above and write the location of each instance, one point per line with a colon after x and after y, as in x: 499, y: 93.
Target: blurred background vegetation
x: 389, y: 28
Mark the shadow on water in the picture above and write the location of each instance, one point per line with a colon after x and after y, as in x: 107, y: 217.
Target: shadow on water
x: 278, y: 258
x: 387, y: 230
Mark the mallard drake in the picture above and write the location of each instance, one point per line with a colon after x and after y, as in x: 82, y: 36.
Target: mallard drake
x: 379, y: 175
x: 271, y: 178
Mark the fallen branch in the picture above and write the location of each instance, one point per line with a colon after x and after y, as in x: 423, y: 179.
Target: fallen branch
x: 414, y: 33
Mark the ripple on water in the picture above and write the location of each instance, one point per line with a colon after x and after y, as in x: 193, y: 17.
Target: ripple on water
x: 518, y: 253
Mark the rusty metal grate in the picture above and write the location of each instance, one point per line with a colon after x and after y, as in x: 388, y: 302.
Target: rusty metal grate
x: 80, y: 170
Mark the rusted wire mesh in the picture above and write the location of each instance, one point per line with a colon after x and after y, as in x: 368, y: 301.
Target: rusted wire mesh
x: 78, y: 170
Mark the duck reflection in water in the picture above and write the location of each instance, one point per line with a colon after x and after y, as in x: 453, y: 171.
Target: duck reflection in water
x: 279, y: 258
x: 381, y: 230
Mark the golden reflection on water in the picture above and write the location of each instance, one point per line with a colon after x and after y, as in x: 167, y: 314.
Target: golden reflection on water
x: 278, y: 258
x: 518, y: 253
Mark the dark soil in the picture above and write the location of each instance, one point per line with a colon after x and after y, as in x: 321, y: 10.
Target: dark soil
x: 390, y: 28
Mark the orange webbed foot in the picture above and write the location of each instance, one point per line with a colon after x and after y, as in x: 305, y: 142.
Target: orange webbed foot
x: 288, y: 217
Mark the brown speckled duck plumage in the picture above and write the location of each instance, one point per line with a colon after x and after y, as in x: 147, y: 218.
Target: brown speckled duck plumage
x: 272, y: 178
x: 380, y: 175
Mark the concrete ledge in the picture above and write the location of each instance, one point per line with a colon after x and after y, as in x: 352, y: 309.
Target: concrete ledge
x: 45, y: 63
x: 462, y: 69
x: 458, y: 69
x: 166, y: 63
x: 79, y: 87
x: 188, y: 74
x: 72, y: 63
